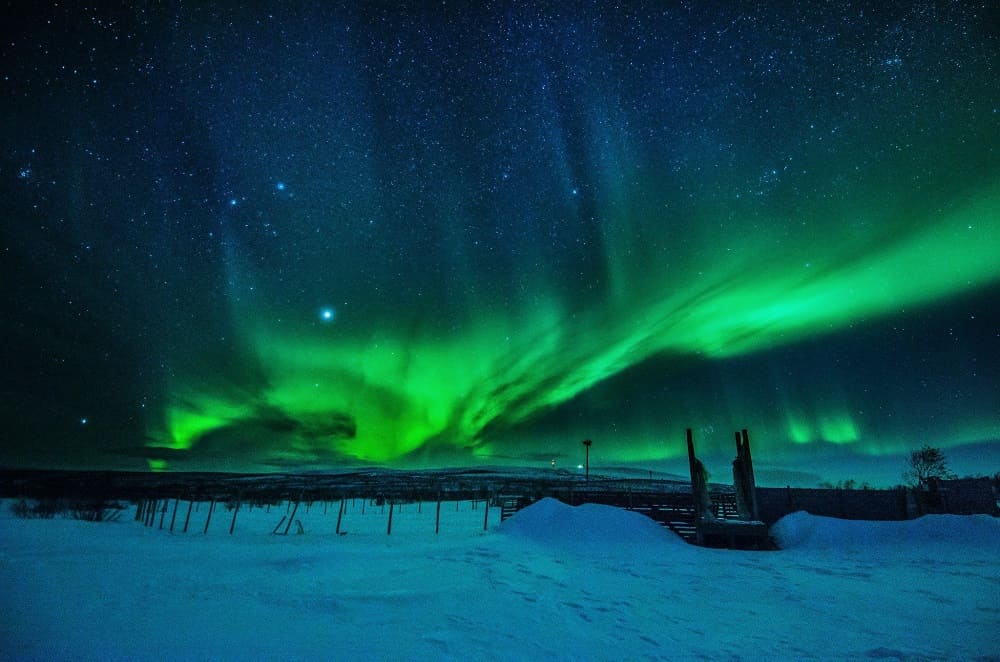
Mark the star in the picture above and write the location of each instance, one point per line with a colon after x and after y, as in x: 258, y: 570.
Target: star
x: 327, y: 314
x: 280, y: 186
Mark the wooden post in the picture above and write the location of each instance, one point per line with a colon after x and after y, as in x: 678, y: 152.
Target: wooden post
x: 173, y: 517
x: 208, y: 520
x: 138, y: 509
x: 340, y: 515
x: 486, y: 515
x: 291, y: 518
x: 699, y: 490
x: 151, y: 515
x: 437, y: 517
x: 739, y: 482
x: 691, y: 462
x: 236, y: 511
x: 388, y: 531
x: 280, y: 522
x: 750, y: 479
x: 163, y: 513
x: 586, y: 445
x: 187, y: 519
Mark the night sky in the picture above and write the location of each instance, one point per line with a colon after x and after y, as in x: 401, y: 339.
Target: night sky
x: 289, y: 239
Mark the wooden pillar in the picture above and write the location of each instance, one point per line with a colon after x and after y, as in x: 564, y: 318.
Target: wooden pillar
x: 743, y: 506
x: 749, y: 479
x: 208, y: 520
x: 291, y: 517
x: 236, y: 511
x: 699, y: 487
x: 173, y: 517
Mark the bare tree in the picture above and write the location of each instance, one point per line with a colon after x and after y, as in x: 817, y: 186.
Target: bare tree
x: 924, y: 464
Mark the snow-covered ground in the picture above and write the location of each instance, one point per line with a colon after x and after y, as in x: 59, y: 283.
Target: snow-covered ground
x: 551, y: 583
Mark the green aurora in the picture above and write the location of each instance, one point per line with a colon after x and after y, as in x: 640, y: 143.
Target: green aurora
x: 403, y: 392
x: 414, y: 237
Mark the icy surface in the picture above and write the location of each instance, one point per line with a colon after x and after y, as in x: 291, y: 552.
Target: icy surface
x: 551, y: 583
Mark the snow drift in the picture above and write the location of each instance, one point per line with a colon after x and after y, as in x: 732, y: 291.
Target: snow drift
x: 970, y: 532
x: 551, y: 522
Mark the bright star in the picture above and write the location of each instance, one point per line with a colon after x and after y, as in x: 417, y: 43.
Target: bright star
x: 327, y: 314
x: 83, y: 421
x: 280, y: 186
x: 232, y: 202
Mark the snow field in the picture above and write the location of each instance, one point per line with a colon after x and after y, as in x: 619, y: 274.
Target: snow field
x: 553, y: 582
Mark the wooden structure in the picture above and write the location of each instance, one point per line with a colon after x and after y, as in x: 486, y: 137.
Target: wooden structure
x: 745, y: 531
x: 702, y: 516
x: 674, y: 510
x: 743, y: 479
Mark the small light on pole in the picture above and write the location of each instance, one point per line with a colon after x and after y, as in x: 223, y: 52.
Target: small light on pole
x: 586, y: 444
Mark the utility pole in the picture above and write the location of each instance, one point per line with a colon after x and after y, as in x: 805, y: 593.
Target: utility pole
x: 586, y: 444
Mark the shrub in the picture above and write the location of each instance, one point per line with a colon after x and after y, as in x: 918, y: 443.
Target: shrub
x: 45, y: 508
x: 96, y: 509
x: 21, y: 509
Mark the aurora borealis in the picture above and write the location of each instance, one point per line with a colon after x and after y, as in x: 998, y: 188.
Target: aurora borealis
x: 307, y: 238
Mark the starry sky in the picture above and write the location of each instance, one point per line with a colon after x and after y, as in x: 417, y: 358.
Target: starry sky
x: 312, y: 237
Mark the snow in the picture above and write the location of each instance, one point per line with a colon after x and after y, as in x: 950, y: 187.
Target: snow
x: 553, y: 582
x: 552, y: 523
x: 938, y: 534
